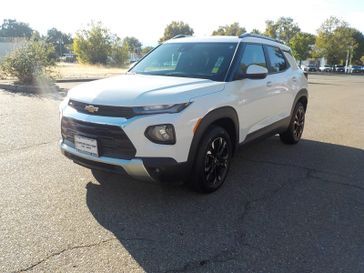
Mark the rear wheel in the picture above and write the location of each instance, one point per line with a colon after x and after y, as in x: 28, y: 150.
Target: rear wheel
x: 294, y: 132
x: 213, y: 160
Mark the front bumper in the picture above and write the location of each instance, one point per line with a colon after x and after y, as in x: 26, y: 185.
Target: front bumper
x: 133, y: 167
x: 150, y: 161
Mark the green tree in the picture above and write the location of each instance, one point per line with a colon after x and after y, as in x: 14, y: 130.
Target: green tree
x: 133, y: 44
x: 334, y: 40
x: 93, y: 45
x: 362, y: 59
x: 146, y: 49
x: 230, y: 30
x: 175, y: 28
x: 59, y: 41
x: 12, y: 28
x: 30, y: 62
x: 301, y: 45
x: 36, y: 36
x: 359, y: 50
x: 256, y: 31
x: 119, y: 52
x: 284, y: 29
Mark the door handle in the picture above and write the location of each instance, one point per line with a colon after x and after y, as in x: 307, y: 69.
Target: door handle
x: 294, y: 79
x: 269, y: 84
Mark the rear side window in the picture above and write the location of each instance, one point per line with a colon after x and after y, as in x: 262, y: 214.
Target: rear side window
x: 253, y: 54
x: 291, y: 60
x: 277, y: 61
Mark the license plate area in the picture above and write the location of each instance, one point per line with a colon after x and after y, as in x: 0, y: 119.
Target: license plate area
x: 86, y: 145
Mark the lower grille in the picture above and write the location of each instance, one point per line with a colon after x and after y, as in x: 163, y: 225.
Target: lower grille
x: 93, y: 165
x: 112, y: 140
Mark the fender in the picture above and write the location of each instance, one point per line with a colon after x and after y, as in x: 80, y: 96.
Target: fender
x: 211, y: 117
x: 303, y: 93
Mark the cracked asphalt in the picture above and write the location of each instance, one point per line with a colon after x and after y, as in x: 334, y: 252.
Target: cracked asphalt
x: 282, y: 209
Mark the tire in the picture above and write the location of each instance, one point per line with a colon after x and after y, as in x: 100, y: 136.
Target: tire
x: 212, y: 161
x: 295, y: 129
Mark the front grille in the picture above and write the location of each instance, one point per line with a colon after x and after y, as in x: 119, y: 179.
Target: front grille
x: 112, y: 140
x: 103, y: 110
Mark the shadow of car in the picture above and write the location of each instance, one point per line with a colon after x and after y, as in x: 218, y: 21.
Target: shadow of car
x: 300, y: 205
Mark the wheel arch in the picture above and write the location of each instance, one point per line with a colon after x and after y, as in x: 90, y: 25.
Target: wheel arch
x: 302, y: 96
x: 225, y: 117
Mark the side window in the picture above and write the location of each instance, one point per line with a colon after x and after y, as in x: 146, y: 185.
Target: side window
x: 277, y: 61
x: 253, y: 54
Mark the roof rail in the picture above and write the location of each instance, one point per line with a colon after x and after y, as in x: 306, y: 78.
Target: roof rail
x: 262, y: 37
x: 180, y: 36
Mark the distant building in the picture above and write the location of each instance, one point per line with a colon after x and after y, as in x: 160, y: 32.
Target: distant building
x: 8, y: 44
x: 316, y: 62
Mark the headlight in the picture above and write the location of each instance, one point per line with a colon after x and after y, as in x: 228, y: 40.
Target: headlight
x: 161, y: 109
x: 62, y: 105
x: 161, y: 134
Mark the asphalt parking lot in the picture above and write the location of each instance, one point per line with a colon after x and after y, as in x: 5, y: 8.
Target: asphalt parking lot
x: 282, y: 209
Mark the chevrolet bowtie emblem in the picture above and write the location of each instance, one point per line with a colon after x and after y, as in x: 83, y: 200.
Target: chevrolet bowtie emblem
x: 91, y: 108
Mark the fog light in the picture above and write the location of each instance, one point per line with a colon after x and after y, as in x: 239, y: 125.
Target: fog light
x: 161, y: 134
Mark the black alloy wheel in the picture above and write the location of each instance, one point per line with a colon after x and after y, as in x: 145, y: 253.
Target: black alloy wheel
x: 212, y: 161
x: 299, y: 123
x: 294, y: 131
x: 216, y: 161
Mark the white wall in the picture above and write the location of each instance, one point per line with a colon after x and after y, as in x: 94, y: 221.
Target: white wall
x: 8, y: 45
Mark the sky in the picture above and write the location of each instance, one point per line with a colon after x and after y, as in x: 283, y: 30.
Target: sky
x: 146, y: 19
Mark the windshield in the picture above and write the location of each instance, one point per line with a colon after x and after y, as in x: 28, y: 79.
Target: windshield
x: 195, y: 60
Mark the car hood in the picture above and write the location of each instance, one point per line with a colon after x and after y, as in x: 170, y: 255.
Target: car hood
x: 140, y: 90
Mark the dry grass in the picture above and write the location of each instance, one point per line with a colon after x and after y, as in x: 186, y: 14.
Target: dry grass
x: 75, y: 70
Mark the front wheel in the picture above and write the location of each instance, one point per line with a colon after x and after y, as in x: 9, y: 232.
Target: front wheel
x: 213, y: 160
x: 295, y: 129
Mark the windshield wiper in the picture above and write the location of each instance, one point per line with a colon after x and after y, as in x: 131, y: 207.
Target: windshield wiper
x: 178, y: 74
x: 184, y: 75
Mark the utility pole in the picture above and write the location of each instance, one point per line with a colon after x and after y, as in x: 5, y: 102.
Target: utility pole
x: 60, y: 41
x: 351, y: 55
x: 347, y: 61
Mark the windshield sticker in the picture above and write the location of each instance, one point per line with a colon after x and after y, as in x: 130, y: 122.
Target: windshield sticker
x: 217, y: 65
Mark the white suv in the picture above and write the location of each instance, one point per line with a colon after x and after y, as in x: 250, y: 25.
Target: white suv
x: 184, y: 108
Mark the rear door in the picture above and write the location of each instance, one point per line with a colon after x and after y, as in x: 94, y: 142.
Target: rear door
x: 279, y: 83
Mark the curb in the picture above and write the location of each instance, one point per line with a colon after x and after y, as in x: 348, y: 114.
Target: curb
x: 36, y: 90
x: 335, y: 74
x: 78, y: 80
x: 13, y: 87
x: 20, y: 88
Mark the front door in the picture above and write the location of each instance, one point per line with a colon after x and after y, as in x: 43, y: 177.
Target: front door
x: 254, y: 101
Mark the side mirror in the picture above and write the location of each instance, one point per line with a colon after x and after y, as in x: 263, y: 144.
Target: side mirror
x: 256, y: 72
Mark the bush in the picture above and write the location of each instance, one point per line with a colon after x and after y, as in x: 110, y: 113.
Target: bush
x: 29, y: 62
x: 119, y: 53
x: 97, y: 45
x: 93, y: 45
